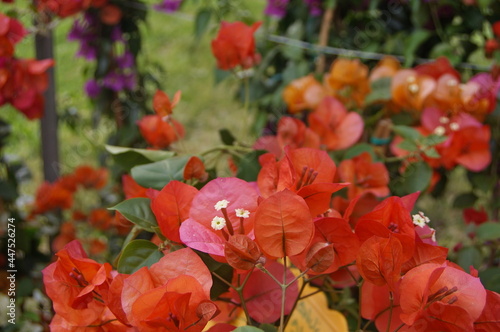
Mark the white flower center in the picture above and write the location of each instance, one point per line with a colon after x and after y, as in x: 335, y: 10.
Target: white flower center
x: 242, y: 213
x: 444, y: 120
x: 218, y: 223
x: 420, y: 219
x: 414, y: 88
x: 439, y: 130
x: 454, y: 126
x: 411, y: 79
x: 221, y: 205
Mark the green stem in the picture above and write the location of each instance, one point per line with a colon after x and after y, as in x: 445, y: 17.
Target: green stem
x: 495, y: 172
x: 263, y: 269
x: 239, y: 290
x: 132, y: 235
x: 297, y: 277
x: 437, y: 22
x: 399, y: 327
x: 246, y: 83
x: 360, y: 285
x: 235, y: 148
x: 302, y: 288
x: 391, y: 299
x: 283, y: 297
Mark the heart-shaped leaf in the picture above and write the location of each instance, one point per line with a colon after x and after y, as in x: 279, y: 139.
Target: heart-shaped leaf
x: 138, y: 211
x: 136, y: 254
x: 283, y: 224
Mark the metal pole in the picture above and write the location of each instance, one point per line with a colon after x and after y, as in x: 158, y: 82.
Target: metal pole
x: 50, y: 145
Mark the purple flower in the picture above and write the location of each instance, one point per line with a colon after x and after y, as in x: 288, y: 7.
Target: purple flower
x: 314, y: 7
x: 87, y: 51
x: 83, y: 30
x: 118, y: 81
x: 92, y: 88
x: 276, y: 8
x: 116, y: 34
x: 168, y: 6
x: 130, y: 81
x: 125, y: 61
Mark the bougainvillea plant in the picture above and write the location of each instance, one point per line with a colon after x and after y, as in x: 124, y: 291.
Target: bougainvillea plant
x: 252, y: 244
x: 22, y: 81
x: 249, y: 243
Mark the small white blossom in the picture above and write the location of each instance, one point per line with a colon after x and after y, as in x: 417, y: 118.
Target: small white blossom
x: 420, y: 219
x: 218, y: 223
x: 454, y: 126
x: 242, y: 213
x: 413, y: 88
x: 452, y: 83
x: 433, y: 238
x: 411, y: 79
x: 444, y: 120
x: 439, y: 130
x: 221, y: 204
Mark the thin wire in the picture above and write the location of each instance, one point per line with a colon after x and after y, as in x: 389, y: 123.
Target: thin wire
x: 358, y: 54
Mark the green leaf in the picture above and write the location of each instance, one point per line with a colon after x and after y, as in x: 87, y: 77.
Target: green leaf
x: 130, y: 157
x: 481, y: 181
x: 488, y: 231
x: 292, y: 52
x: 407, y: 132
x: 220, y: 75
x: 464, y: 200
x: 484, y: 4
x: 380, y: 90
x: 268, y: 328
x: 419, y: 13
x: 138, y: 211
x: 478, y: 57
x: 432, y: 139
x: 137, y: 254
x: 201, y: 22
x: 248, y: 166
x: 416, y: 177
x: 431, y: 152
x: 414, y: 41
x: 445, y: 49
x: 9, y: 190
x: 226, y: 136
x: 294, y: 70
x: 157, y: 175
x: 408, y: 145
x: 247, y: 329
x: 358, y: 149
x: 152, y: 155
x: 490, y: 278
x: 295, y: 30
x: 403, y: 118
x: 469, y: 256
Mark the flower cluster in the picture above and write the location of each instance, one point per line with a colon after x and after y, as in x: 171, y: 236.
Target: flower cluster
x: 286, y: 215
x: 235, y: 46
x: 120, y: 73
x: 69, y: 8
x: 22, y: 81
x: 160, y: 129
x: 59, y: 194
x: 167, y: 295
x: 447, y: 114
x: 434, y: 84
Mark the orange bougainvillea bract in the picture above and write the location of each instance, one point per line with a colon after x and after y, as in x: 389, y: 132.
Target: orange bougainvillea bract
x: 235, y: 45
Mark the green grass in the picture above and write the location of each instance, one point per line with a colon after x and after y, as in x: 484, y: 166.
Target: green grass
x: 169, y: 40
